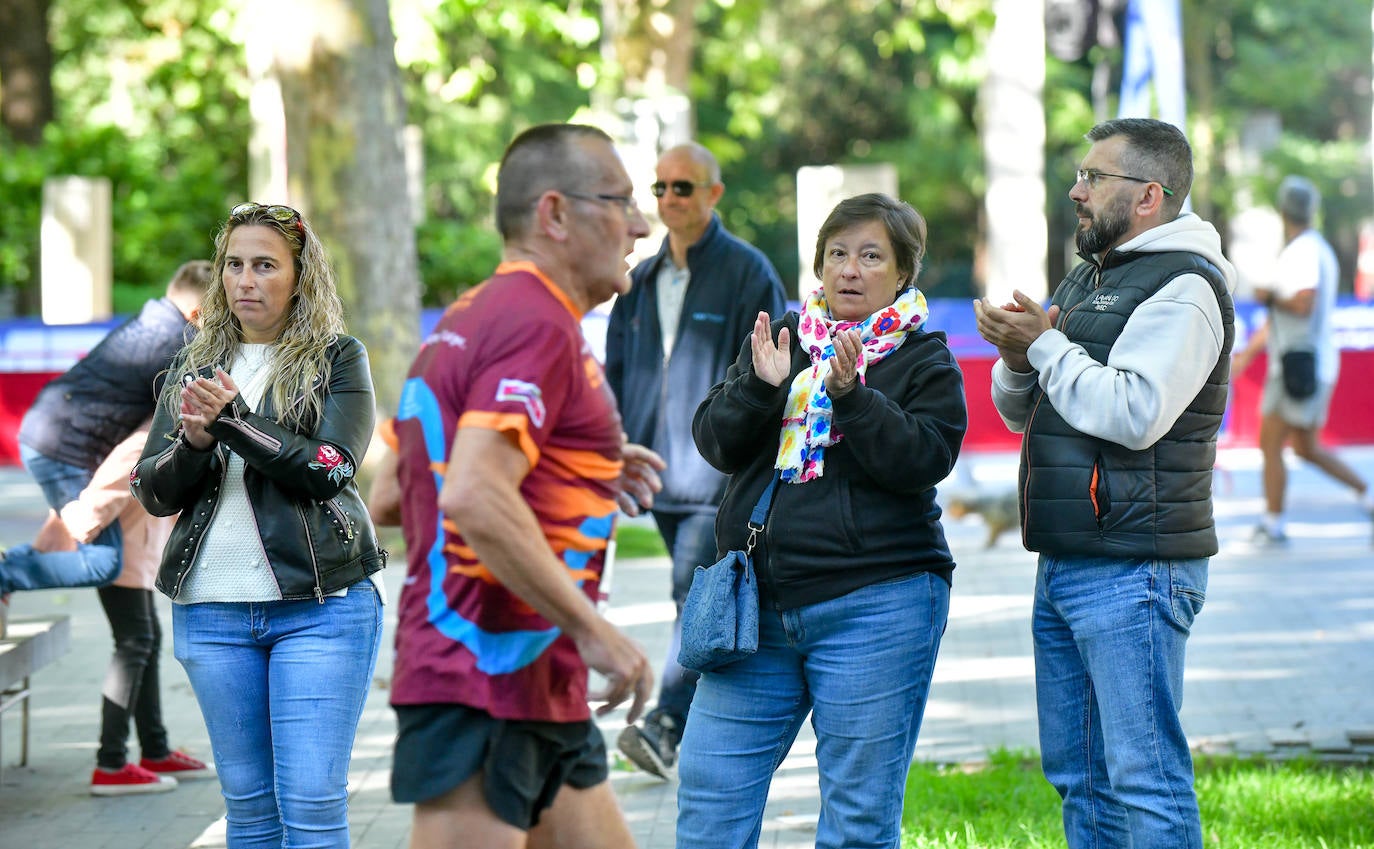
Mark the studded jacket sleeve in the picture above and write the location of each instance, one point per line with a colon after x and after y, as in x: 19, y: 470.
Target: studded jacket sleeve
x: 171, y: 473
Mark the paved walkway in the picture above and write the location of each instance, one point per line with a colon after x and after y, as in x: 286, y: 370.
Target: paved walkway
x: 1280, y: 662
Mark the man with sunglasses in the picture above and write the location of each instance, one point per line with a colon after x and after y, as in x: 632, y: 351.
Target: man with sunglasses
x: 1119, y: 389
x: 669, y: 341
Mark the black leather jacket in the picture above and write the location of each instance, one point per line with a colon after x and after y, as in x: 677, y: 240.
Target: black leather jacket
x: 313, y: 524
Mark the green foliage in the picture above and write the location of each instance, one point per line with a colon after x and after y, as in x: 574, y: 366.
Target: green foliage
x: 479, y: 74
x: 1308, y: 64
x: 147, y: 100
x: 873, y: 81
x: 1246, y: 804
x: 455, y: 255
x: 164, y: 208
x: 153, y: 94
x: 1003, y: 803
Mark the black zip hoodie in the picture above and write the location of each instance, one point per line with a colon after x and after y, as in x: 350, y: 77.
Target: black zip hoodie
x: 872, y: 515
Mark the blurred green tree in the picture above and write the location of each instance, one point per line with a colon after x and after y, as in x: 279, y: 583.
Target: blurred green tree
x: 150, y: 96
x: 154, y: 95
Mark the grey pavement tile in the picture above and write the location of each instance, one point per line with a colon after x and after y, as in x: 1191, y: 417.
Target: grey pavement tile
x: 1279, y: 662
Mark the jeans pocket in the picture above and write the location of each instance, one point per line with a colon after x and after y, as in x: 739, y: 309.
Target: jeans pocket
x: 1187, y: 591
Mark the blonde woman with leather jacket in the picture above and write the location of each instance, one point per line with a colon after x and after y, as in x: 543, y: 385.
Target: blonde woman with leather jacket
x: 275, y: 618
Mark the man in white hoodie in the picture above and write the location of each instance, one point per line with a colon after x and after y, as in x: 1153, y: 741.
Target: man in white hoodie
x: 1119, y: 388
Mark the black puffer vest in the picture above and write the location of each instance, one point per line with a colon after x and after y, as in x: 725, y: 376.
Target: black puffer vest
x: 1084, y: 496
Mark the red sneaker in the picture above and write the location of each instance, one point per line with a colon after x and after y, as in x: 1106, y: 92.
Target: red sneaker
x: 179, y: 765
x: 128, y: 781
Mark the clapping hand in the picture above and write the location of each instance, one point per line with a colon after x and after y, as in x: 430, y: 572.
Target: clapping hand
x: 1014, y: 326
x: 772, y: 362
x: 844, y: 366
x: 202, y: 400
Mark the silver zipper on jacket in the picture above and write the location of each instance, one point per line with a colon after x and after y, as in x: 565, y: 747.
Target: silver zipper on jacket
x: 314, y: 559
x: 261, y: 438
x: 340, y: 518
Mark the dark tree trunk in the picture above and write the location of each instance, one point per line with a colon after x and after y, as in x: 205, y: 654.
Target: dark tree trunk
x: 26, y: 99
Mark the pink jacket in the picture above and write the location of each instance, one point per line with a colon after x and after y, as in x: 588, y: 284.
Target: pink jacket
x: 107, y: 498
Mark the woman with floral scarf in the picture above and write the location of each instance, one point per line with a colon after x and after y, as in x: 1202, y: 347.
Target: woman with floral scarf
x: 859, y: 412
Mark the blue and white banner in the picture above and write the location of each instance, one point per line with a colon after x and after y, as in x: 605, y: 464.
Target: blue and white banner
x: 1153, y: 53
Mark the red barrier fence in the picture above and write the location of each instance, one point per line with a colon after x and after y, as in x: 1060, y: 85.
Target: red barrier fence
x: 1350, y: 422
x: 32, y: 353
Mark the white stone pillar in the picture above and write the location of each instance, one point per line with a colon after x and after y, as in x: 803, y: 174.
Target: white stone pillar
x: 75, y: 246
x: 1013, y: 113
x: 267, y: 168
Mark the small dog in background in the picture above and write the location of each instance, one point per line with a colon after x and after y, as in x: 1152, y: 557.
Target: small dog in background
x: 1000, y: 511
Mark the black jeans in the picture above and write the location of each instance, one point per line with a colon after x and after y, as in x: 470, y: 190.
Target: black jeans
x: 131, y: 680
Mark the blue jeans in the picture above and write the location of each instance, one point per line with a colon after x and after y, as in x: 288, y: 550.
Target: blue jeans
x: 281, y: 685
x: 691, y: 542
x: 861, y: 664
x: 1109, y: 648
x: 93, y: 565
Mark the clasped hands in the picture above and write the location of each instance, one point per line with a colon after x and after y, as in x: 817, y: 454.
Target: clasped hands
x: 202, y: 400
x: 1014, y: 326
x: 773, y: 360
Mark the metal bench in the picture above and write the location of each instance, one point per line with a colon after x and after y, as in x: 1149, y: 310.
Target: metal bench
x: 29, y: 644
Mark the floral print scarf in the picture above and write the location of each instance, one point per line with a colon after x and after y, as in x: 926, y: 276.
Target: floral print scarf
x: 806, y: 430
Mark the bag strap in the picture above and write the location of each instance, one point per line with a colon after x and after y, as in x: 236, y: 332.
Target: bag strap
x: 759, y: 518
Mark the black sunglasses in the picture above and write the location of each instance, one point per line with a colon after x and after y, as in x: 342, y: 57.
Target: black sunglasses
x: 284, y: 215
x: 681, y: 188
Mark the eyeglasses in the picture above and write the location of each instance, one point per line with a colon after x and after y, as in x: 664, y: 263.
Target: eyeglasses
x: 1092, y: 175
x: 627, y: 202
x: 681, y: 188
x: 283, y: 215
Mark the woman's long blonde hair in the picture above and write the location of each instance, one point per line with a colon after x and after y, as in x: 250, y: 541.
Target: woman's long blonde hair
x: 300, y: 365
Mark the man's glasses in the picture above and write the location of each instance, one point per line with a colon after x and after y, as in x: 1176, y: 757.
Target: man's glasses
x: 1092, y: 175
x: 627, y: 202
x: 681, y: 188
x: 283, y: 215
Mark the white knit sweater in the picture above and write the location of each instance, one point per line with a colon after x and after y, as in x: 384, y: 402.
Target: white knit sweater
x: 231, y: 564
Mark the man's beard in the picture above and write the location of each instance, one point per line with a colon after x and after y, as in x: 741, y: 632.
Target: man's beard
x: 1104, y: 230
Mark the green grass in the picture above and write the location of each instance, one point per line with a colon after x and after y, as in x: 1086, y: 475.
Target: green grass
x: 1246, y: 804
x: 631, y: 541
x: 639, y: 541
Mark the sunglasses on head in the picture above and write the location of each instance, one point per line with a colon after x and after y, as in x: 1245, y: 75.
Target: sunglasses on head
x: 681, y: 188
x: 283, y: 215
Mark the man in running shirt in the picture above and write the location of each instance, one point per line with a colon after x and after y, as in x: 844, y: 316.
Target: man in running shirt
x: 511, y: 464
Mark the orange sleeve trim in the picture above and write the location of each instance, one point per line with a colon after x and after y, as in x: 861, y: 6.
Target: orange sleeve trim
x: 512, y: 423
